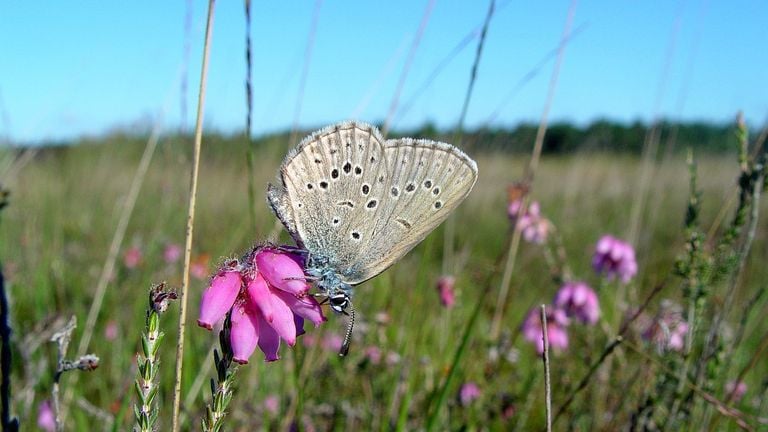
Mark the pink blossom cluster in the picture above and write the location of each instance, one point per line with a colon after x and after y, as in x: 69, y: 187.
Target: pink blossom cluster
x: 667, y: 329
x: 615, y: 259
x: 574, y: 300
x: 445, y: 289
x: 267, y: 294
x: 533, y: 226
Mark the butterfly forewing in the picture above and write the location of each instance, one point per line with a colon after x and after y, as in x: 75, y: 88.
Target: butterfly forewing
x: 429, y: 180
x: 326, y: 187
x: 363, y: 203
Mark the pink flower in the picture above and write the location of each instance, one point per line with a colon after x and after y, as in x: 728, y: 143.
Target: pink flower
x: 110, y: 331
x: 614, y: 258
x: 198, y: 268
x: 445, y: 289
x: 373, y: 354
x: 468, y: 393
x: 332, y: 342
x: 556, y: 329
x: 534, y: 227
x: 272, y: 404
x: 578, y: 301
x: 267, y: 296
x: 667, y: 329
x: 132, y: 257
x: 46, y: 420
x: 735, y: 390
x: 172, y: 253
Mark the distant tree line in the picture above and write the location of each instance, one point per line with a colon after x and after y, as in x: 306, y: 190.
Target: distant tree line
x: 561, y: 138
x: 600, y: 136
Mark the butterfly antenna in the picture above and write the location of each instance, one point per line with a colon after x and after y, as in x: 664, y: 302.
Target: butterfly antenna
x: 348, y: 336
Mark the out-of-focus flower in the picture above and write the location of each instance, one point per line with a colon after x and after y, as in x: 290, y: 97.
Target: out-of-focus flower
x: 373, y: 354
x: 667, y: 329
x: 557, y: 333
x: 578, y: 301
x: 332, y: 342
x: 393, y: 358
x: 267, y: 294
x: 736, y: 388
x: 172, y: 253
x: 614, y: 258
x: 198, y: 268
x: 533, y: 226
x: 445, y: 286
x: 110, y: 331
x: 468, y: 393
x: 132, y: 257
x: 45, y: 417
x: 272, y: 404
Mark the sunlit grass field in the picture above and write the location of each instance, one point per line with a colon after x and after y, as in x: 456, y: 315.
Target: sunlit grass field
x: 65, y: 204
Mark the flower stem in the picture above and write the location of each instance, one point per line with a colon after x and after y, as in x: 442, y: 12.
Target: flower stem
x: 146, y: 410
x: 222, y: 386
x: 191, y: 219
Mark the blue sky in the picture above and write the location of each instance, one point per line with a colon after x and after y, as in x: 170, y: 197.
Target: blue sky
x: 82, y: 68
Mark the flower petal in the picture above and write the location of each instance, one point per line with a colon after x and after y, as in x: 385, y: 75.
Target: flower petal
x: 283, y: 320
x: 244, y: 334
x: 260, y: 297
x: 219, y: 297
x: 306, y: 307
x: 269, y: 341
x: 299, y: 322
x: 282, y: 271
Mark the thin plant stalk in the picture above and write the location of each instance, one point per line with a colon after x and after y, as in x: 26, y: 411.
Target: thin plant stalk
x: 250, y: 158
x: 529, y: 176
x: 10, y: 424
x: 450, y: 225
x: 305, y: 70
x: 407, y: 67
x: 545, y: 359
x: 191, y: 219
x: 114, y: 249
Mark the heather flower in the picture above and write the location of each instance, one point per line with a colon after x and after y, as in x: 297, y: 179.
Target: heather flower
x: 667, y: 329
x: 272, y: 404
x: 578, y: 301
x: 468, y: 393
x: 267, y: 296
x: 532, y: 225
x: 735, y: 390
x: 46, y: 420
x: 332, y: 342
x: 172, y: 253
x: 614, y: 258
x: 198, y: 268
x: 132, y: 257
x: 373, y: 354
x: 445, y: 289
x: 110, y: 331
x: 557, y: 335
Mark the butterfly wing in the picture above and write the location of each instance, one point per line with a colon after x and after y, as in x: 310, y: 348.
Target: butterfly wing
x: 362, y: 203
x: 326, y: 181
x: 429, y: 180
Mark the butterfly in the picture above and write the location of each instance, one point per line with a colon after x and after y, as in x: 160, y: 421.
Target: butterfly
x: 357, y: 203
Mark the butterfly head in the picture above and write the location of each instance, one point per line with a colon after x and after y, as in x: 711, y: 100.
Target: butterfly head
x: 339, y: 302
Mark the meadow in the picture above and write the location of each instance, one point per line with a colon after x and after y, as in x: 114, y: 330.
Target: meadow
x: 65, y: 204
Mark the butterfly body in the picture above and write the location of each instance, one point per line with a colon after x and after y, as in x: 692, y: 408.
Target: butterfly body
x: 357, y: 202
